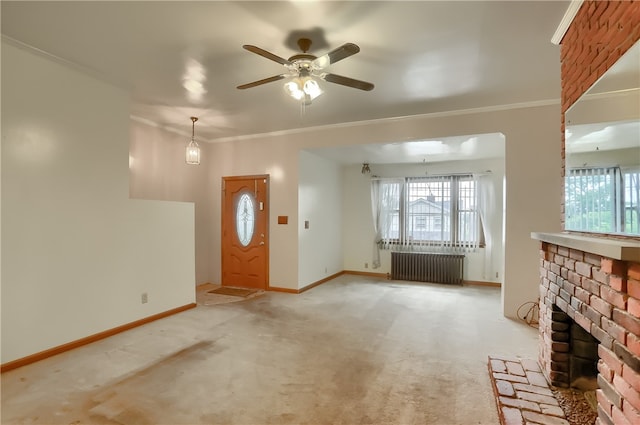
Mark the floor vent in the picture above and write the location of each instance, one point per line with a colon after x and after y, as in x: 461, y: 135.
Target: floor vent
x: 427, y: 267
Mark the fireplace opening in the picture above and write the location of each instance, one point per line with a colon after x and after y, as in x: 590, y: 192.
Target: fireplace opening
x: 574, y: 368
x: 574, y: 357
x: 583, y: 362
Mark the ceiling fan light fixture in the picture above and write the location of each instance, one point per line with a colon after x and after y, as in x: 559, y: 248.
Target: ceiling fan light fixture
x: 293, y: 90
x: 303, y: 67
x: 192, y: 152
x: 303, y: 89
x: 312, y: 88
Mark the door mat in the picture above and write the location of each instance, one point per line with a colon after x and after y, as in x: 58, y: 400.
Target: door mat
x: 236, y: 292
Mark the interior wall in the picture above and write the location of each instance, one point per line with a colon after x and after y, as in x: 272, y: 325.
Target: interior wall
x: 625, y: 158
x: 157, y: 171
x: 532, y: 173
x: 358, y: 235
x: 320, y: 204
x: 77, y: 254
x: 277, y: 157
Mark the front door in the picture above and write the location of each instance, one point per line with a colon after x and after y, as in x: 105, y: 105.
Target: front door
x: 244, y: 232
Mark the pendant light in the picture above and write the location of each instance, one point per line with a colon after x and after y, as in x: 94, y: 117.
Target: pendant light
x: 192, y: 153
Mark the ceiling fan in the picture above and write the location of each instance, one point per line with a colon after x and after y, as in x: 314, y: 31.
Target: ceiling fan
x: 303, y: 67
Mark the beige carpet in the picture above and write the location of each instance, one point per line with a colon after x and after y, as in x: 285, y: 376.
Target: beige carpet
x: 354, y: 350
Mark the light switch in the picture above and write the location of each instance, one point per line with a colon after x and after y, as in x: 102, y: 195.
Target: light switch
x: 306, y: 224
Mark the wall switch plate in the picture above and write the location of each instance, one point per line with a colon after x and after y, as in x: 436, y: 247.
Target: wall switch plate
x: 144, y: 298
x: 306, y: 224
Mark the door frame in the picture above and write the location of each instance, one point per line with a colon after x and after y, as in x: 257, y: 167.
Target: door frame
x: 224, y: 221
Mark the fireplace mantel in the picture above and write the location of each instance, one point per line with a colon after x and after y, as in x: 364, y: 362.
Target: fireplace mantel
x: 617, y: 249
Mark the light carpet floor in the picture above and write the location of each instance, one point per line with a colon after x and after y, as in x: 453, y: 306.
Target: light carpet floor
x: 354, y: 350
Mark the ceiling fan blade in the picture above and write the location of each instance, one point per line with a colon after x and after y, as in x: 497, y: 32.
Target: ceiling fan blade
x: 265, y: 54
x: 263, y: 81
x: 349, y: 82
x: 336, y: 55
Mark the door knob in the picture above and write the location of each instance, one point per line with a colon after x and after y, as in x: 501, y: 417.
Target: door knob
x: 262, y: 243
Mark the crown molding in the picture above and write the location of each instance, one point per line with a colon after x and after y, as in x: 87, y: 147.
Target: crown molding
x: 571, y: 12
x: 354, y: 124
x: 121, y: 84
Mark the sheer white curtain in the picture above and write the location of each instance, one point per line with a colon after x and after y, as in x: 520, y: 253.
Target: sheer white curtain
x: 470, y: 228
x: 488, y: 206
x: 385, y: 198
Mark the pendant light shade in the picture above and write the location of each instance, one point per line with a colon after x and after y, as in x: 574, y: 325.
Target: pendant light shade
x: 192, y: 153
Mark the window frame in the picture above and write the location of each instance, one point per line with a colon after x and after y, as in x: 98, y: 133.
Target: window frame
x: 453, y: 217
x: 618, y: 204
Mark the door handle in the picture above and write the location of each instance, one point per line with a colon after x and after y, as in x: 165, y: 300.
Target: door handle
x: 261, y: 242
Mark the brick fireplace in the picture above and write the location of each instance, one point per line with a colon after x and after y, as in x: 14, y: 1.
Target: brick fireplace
x: 590, y: 299
x: 589, y: 286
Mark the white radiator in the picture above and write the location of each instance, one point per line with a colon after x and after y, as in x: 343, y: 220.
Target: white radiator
x: 427, y: 267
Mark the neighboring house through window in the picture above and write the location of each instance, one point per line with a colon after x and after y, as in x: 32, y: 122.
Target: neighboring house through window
x: 439, y: 211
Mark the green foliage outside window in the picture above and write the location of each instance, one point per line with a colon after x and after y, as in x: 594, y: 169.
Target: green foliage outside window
x: 602, y: 200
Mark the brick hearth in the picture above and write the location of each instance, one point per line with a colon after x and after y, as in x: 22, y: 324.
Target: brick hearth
x: 522, y: 393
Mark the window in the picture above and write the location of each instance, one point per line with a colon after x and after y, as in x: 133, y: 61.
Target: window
x: 602, y: 200
x: 632, y: 202
x: 245, y: 219
x: 428, y: 211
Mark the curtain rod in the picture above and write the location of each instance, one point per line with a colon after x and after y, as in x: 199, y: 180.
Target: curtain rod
x: 481, y: 173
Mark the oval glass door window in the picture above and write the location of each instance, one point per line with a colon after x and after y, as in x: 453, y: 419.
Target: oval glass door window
x: 245, y: 219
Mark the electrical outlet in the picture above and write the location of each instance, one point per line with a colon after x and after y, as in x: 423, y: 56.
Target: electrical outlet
x: 366, y: 265
x: 496, y: 275
x: 144, y: 298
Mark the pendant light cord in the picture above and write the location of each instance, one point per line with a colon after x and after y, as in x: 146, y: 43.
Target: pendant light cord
x: 193, y: 127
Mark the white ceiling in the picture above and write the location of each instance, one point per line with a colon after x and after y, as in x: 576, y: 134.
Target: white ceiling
x: 423, y: 57
x: 458, y: 148
x: 603, y: 136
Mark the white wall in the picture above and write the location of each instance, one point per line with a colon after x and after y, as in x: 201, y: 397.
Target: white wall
x: 320, y: 203
x: 358, y: 232
x: 76, y: 253
x: 625, y: 158
x: 277, y: 157
x: 157, y: 171
x: 533, y: 195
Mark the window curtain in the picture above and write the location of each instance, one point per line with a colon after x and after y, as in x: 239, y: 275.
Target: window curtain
x: 487, y: 207
x: 632, y: 201
x: 385, y: 199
